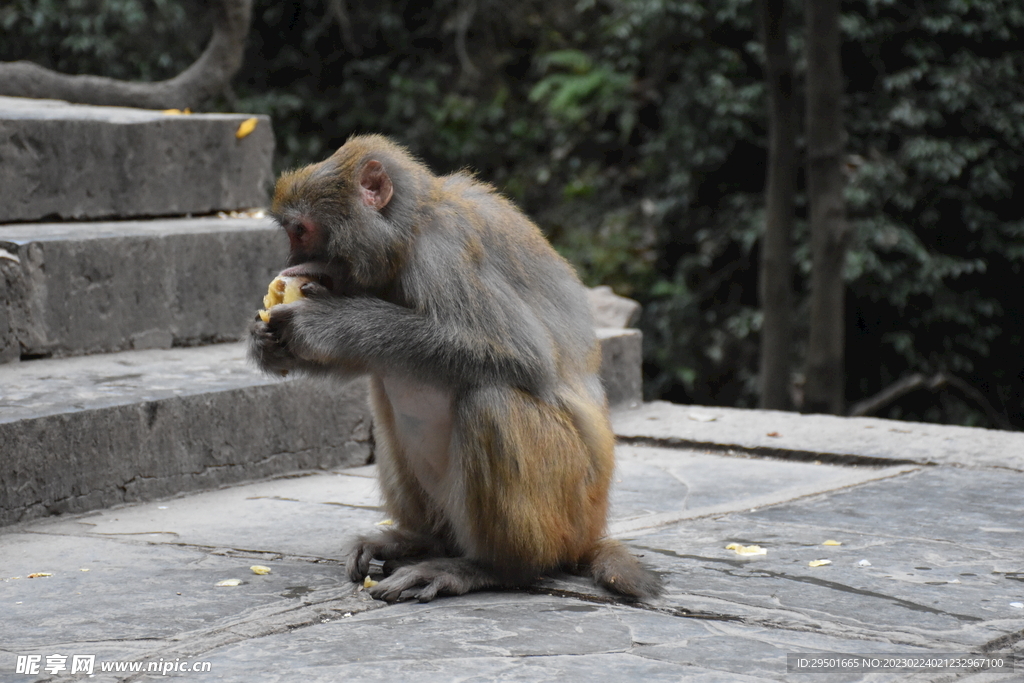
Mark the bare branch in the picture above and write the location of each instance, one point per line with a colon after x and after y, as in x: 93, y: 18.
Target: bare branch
x: 891, y: 393
x: 206, y: 77
x: 936, y: 382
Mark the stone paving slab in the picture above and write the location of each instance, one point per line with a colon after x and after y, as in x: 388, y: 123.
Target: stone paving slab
x: 495, y: 637
x: 864, y: 440
x: 80, y: 162
x: 943, y: 543
x: 86, y: 288
x: 327, y: 507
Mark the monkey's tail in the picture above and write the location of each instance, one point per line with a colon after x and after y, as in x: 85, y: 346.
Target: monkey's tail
x: 615, y: 568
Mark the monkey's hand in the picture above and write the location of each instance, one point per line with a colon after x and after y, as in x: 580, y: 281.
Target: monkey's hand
x: 268, y: 347
x: 389, y: 544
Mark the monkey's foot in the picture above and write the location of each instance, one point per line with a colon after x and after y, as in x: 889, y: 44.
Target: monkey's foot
x: 426, y: 580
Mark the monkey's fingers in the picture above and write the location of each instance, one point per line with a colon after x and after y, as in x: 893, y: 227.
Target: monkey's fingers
x: 357, y: 565
x: 280, y: 323
x: 313, y: 289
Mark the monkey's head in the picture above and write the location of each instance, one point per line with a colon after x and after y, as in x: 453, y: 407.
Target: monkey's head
x: 350, y: 213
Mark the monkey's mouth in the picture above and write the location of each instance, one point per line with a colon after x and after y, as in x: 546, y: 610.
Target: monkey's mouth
x: 326, y: 275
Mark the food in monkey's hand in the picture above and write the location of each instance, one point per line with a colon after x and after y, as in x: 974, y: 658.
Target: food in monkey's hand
x: 282, y: 290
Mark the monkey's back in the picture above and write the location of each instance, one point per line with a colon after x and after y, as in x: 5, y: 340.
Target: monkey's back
x: 503, y: 276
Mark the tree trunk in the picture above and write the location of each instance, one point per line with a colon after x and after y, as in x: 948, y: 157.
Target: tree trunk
x: 776, y: 270
x: 206, y: 78
x: 825, y: 380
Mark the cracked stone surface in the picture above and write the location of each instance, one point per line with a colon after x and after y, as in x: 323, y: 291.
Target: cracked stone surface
x: 930, y: 562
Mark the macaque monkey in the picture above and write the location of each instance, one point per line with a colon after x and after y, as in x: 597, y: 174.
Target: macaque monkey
x: 493, y: 444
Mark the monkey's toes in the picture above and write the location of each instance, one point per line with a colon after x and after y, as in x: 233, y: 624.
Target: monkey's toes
x: 421, y: 582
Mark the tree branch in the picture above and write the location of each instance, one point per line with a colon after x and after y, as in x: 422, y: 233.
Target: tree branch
x: 938, y: 381
x: 205, y: 78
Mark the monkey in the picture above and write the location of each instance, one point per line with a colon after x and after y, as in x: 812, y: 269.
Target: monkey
x: 493, y: 444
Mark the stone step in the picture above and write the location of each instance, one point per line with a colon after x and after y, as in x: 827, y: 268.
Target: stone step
x: 88, y: 432
x: 83, y: 433
x: 78, y: 162
x: 69, y: 289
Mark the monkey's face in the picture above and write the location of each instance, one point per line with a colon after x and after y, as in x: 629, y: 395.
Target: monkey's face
x: 333, y: 214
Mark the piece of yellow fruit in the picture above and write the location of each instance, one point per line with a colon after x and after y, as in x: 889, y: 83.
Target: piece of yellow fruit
x: 229, y: 582
x: 747, y: 549
x: 818, y: 563
x: 246, y: 127
x: 282, y: 290
x: 830, y: 542
x: 369, y: 583
x: 260, y: 569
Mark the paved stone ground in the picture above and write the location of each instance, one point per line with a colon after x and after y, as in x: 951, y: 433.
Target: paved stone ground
x: 931, y: 561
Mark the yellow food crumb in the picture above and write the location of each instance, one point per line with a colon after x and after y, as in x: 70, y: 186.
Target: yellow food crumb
x: 229, y: 582
x: 747, y: 549
x: 369, y: 583
x: 39, y: 575
x: 246, y: 127
x: 260, y: 569
x: 831, y: 542
x: 385, y: 522
x: 818, y: 563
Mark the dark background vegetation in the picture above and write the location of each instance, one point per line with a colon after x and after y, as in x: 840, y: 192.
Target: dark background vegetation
x: 634, y: 132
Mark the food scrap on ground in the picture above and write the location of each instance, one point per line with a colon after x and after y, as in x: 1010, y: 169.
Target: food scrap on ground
x: 747, y: 549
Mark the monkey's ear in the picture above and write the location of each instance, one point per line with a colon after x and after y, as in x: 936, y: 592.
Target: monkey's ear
x: 375, y: 185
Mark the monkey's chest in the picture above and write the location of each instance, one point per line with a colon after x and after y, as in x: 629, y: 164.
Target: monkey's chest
x: 423, y: 429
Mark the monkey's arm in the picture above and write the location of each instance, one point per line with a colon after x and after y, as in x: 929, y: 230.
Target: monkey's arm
x: 327, y: 333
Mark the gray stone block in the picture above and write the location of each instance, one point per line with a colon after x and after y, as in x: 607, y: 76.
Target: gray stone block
x: 621, y: 366
x: 612, y: 310
x: 12, y: 306
x: 827, y: 438
x: 68, y: 161
x: 72, y: 289
x: 83, y: 433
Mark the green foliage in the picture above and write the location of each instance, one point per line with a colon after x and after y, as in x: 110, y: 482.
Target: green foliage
x: 935, y: 97
x: 634, y: 131
x: 129, y: 39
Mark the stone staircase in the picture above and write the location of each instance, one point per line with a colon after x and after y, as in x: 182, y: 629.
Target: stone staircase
x: 125, y: 287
